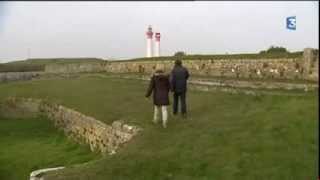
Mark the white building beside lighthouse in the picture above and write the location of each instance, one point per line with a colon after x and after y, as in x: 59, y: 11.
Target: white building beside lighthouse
x: 149, y: 34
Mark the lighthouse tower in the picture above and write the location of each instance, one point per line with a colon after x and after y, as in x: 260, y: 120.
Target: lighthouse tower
x: 157, y: 45
x: 149, y: 41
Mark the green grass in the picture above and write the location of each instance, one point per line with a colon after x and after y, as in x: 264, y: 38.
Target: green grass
x: 226, y: 136
x: 32, y: 144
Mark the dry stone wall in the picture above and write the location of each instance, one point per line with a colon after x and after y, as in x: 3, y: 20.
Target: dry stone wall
x: 236, y: 86
x: 304, y: 67
x: 75, y: 67
x: 311, y: 64
x: 236, y: 68
x: 18, y: 76
x: 101, y: 137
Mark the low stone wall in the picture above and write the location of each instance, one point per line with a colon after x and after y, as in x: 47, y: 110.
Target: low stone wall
x: 84, y: 129
x: 256, y: 85
x: 18, y: 76
x: 311, y: 64
x: 235, y: 68
x: 237, y: 83
x: 75, y: 67
x: 304, y: 67
x: 81, y: 128
x: 245, y: 91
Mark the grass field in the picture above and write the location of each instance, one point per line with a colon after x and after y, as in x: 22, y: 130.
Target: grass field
x: 32, y: 144
x: 226, y: 136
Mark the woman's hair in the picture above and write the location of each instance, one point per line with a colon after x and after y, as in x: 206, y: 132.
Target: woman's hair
x: 178, y: 62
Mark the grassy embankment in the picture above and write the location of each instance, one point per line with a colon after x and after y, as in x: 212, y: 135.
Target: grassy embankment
x: 227, y: 136
x: 30, y: 144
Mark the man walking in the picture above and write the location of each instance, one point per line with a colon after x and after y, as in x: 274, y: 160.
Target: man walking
x: 179, y: 77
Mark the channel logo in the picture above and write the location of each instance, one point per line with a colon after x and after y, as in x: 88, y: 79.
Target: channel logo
x: 291, y: 23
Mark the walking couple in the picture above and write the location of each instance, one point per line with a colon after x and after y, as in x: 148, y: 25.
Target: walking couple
x: 160, y: 85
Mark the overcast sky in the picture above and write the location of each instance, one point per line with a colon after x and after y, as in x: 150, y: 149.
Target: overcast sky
x: 117, y: 29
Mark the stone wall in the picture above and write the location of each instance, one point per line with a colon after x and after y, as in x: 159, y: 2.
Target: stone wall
x: 235, y: 68
x: 311, y: 64
x: 18, y: 76
x: 304, y: 67
x: 238, y: 86
x: 84, y: 129
x: 75, y: 67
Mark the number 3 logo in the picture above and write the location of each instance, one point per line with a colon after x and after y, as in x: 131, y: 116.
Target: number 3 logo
x: 291, y: 23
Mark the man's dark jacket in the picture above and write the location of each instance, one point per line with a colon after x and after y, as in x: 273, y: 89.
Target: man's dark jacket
x: 160, y: 86
x: 179, y: 77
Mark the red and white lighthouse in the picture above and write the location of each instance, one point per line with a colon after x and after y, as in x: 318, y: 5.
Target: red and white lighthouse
x: 149, y: 41
x: 157, y: 45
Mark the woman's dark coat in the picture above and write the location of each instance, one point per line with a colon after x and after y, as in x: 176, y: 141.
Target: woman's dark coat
x: 160, y: 87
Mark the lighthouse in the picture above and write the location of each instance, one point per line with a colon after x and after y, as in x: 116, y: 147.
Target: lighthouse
x: 157, y: 45
x: 149, y: 41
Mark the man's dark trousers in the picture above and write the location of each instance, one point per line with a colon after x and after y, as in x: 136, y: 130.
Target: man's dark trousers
x: 182, y: 97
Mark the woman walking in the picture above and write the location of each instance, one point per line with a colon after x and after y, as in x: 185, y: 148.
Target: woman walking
x: 160, y: 87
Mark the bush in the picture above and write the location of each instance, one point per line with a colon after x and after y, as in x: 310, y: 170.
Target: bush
x: 179, y: 53
x: 275, y: 49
